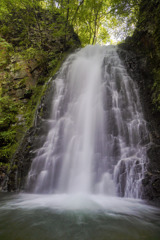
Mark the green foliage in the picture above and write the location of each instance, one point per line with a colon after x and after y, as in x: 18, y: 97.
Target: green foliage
x: 7, y: 152
x: 27, y: 24
x: 5, y: 49
x: 7, y: 137
x: 96, y: 21
x: 11, y: 130
x: 92, y: 20
x: 7, y: 105
x: 8, y: 111
x: 5, y: 167
x: 31, y: 53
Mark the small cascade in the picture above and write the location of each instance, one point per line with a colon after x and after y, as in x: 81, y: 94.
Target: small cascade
x: 95, y: 142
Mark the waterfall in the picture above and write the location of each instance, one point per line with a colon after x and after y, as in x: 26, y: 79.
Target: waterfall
x: 96, y: 130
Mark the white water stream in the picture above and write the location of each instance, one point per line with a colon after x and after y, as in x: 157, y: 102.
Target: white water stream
x: 96, y: 130
x: 94, y: 148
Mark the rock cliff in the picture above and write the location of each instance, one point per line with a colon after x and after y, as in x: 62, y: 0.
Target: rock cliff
x: 26, y: 64
x: 141, y: 54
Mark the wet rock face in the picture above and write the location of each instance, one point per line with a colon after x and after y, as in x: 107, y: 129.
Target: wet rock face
x: 3, y: 179
x: 22, y: 158
x: 151, y: 182
x: 34, y: 137
x: 138, y: 69
x: 17, y: 81
x: 151, y: 189
x: 154, y: 155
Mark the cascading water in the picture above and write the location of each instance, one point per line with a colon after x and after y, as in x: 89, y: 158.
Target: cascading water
x: 95, y: 139
x: 94, y: 149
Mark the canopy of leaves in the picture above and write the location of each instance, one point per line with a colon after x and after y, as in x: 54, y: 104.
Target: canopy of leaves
x: 95, y: 21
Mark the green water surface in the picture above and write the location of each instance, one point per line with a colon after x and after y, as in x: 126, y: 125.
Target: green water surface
x: 35, y: 217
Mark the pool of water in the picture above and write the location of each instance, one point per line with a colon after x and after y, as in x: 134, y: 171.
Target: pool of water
x: 76, y: 217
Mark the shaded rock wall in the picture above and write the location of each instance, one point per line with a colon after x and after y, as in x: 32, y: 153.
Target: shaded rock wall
x: 137, y: 68
x: 28, y: 57
x: 141, y: 55
x: 33, y: 137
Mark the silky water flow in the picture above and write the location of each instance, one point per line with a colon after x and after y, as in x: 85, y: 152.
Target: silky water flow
x: 85, y: 179
x: 96, y: 130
